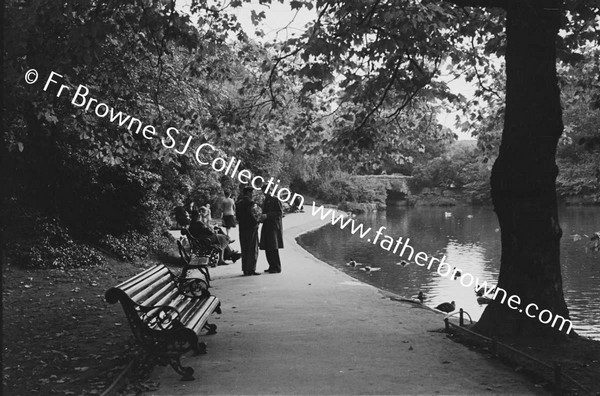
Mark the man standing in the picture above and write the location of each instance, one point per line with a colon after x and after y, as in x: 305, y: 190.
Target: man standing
x: 271, y: 237
x: 245, y: 211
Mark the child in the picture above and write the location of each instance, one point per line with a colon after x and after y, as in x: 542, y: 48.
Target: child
x: 205, y: 214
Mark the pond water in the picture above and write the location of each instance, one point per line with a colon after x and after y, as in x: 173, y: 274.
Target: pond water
x: 470, y: 239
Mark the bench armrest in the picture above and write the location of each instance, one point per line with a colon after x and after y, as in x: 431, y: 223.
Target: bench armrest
x: 160, y: 317
x: 185, y: 255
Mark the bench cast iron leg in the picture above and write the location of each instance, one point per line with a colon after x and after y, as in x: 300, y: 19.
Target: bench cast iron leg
x: 186, y: 372
x: 211, y: 328
x: 200, y: 349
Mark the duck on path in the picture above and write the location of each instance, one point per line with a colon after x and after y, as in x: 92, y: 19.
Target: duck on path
x: 446, y: 307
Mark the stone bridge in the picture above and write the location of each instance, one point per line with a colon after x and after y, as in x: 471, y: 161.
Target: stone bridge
x: 396, y: 184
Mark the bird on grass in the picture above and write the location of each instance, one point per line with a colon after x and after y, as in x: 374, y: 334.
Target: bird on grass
x: 446, y: 307
x: 352, y: 263
x: 402, y: 263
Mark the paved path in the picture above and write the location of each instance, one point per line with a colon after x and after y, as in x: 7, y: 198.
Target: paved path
x: 314, y: 330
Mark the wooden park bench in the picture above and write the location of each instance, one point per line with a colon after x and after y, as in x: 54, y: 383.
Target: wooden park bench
x: 166, y: 314
x: 206, y: 253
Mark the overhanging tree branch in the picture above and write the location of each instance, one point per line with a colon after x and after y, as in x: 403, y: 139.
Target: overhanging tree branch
x: 384, y: 95
x: 279, y: 59
x: 479, y: 3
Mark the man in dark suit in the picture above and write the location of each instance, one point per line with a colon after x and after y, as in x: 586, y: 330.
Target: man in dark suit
x: 245, y: 212
x: 271, y: 237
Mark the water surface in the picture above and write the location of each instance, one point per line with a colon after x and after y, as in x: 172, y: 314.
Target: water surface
x: 470, y: 239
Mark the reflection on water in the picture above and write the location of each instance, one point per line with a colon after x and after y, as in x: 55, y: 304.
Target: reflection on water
x: 470, y: 239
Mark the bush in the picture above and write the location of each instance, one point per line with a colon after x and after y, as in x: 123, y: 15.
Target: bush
x: 52, y: 247
x: 367, y: 190
x: 132, y: 245
x: 460, y: 169
x: 332, y: 190
x: 579, y: 177
x: 340, y: 187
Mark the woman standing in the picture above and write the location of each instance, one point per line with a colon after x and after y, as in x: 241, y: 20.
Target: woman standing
x: 228, y: 207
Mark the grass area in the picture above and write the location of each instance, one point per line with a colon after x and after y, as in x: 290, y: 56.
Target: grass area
x: 59, y: 334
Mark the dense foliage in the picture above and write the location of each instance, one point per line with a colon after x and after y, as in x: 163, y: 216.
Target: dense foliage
x: 461, y: 168
x: 108, y: 184
x: 578, y: 153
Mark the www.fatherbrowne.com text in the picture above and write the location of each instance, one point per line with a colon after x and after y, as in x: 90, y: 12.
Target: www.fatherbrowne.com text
x: 401, y: 247
x: 82, y: 99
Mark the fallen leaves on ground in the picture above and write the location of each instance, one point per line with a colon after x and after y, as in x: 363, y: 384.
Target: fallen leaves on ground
x: 59, y: 334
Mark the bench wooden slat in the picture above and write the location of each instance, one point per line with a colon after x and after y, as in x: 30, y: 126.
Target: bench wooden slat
x: 167, y: 298
x: 170, y: 296
x: 131, y: 281
x: 142, y: 288
x: 142, y: 284
x: 188, y: 308
x: 158, y: 294
x: 199, y: 319
x: 193, y: 312
x: 167, y: 295
x: 183, y: 303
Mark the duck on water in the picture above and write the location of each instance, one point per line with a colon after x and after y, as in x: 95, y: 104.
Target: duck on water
x: 368, y: 268
x: 352, y: 263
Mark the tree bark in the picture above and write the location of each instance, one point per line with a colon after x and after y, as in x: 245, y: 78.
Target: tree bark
x: 524, y: 175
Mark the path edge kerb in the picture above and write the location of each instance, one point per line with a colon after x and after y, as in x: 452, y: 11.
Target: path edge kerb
x: 385, y: 293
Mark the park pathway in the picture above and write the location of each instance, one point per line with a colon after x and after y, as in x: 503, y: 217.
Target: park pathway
x: 314, y: 330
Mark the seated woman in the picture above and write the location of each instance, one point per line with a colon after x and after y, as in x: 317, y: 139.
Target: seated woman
x: 205, y: 214
x: 201, y: 232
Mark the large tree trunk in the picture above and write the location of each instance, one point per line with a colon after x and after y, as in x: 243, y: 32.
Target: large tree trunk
x: 524, y: 175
